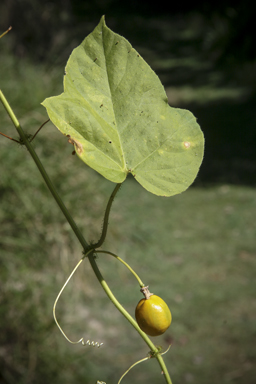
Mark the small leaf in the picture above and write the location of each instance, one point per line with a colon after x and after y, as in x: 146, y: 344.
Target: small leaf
x: 115, y: 111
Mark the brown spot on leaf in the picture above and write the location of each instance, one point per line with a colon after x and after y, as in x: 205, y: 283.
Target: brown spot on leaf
x: 76, y: 143
x: 187, y: 144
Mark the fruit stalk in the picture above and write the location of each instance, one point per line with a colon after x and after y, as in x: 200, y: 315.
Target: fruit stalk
x: 153, y: 349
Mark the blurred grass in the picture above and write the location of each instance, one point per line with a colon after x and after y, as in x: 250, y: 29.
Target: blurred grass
x: 197, y: 250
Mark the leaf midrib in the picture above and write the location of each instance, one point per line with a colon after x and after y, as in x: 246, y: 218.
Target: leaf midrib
x: 106, y: 69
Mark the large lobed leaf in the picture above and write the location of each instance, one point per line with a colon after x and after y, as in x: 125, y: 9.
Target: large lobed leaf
x: 115, y: 111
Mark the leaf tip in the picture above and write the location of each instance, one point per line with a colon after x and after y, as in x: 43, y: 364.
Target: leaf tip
x: 102, y: 20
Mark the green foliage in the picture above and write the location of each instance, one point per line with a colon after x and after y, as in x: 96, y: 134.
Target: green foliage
x: 207, y: 258
x: 115, y: 111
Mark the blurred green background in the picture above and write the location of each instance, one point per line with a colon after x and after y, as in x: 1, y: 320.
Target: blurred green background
x: 197, y: 250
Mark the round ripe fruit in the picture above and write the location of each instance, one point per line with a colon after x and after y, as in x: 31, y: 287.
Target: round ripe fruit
x: 153, y: 315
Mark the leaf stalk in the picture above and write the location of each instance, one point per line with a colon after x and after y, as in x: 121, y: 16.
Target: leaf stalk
x: 106, y: 217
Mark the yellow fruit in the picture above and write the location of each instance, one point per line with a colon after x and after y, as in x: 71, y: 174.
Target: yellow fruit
x: 153, y: 315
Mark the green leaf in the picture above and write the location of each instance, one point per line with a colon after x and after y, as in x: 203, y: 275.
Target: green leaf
x: 115, y: 111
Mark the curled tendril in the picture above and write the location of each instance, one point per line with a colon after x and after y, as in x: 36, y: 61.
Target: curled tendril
x: 88, y: 342
x: 92, y: 343
x: 86, y: 253
x: 151, y: 354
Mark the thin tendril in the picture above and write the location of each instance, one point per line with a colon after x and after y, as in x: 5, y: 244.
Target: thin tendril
x: 166, y: 350
x: 140, y: 361
x: 137, y: 362
x: 88, y: 342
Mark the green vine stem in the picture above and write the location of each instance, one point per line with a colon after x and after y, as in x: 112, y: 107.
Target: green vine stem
x: 43, y: 172
x: 140, y: 361
x: 85, y: 245
x: 154, y: 350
